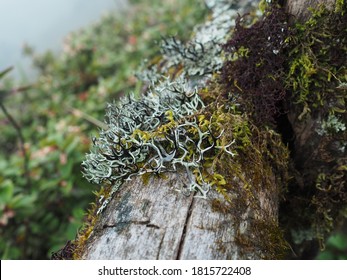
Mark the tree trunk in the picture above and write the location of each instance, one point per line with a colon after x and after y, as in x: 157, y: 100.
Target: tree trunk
x: 152, y: 220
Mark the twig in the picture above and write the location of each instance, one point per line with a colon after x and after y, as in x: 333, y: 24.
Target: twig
x: 80, y: 114
x: 21, y: 141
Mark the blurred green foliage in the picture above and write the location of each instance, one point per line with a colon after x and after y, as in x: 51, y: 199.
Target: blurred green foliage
x: 43, y: 196
x: 336, y: 247
x: 43, y: 207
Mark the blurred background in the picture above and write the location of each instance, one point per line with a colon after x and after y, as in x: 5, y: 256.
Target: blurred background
x: 60, y: 63
x: 42, y: 25
x: 68, y: 58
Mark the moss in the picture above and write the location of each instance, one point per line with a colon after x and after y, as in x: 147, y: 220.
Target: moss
x: 229, y: 143
x: 254, y: 69
x: 272, y: 61
x: 276, y: 66
x: 340, y: 6
x: 330, y: 201
x: 90, y: 220
x: 266, y: 239
x: 66, y: 253
x: 317, y: 60
x: 258, y: 154
x: 145, y: 178
x: 316, y: 69
x: 219, y: 206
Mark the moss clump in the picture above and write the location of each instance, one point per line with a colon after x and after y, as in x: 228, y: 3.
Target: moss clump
x: 66, y: 253
x: 317, y: 60
x: 247, y: 176
x: 255, y: 67
x: 90, y: 220
x: 268, y: 237
x: 317, y: 67
x: 284, y: 70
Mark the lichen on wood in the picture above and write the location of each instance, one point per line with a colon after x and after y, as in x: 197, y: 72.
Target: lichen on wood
x: 197, y: 139
x: 217, y: 127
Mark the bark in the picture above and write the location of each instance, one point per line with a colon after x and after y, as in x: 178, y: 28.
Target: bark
x: 154, y: 221
x: 298, y: 8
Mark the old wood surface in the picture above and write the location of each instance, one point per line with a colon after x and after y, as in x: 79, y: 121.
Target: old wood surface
x: 299, y: 8
x: 154, y: 221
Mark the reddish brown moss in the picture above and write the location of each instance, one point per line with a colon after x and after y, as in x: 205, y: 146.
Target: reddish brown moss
x: 255, y: 70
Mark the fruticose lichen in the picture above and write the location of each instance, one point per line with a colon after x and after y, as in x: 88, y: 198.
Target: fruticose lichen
x: 154, y: 135
x: 332, y: 125
x: 213, y: 110
x: 202, y: 55
x: 167, y: 127
x: 164, y: 129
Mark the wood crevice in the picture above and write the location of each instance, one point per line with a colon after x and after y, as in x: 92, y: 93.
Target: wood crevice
x: 160, y: 245
x: 146, y: 223
x: 183, y: 235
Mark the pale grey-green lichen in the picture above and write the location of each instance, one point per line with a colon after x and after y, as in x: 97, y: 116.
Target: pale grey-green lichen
x: 202, y: 55
x: 117, y: 152
x: 342, y: 85
x: 331, y: 125
x: 132, y: 145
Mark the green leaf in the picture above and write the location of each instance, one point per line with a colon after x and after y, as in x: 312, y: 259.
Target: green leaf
x: 339, y: 241
x: 6, y: 191
x: 24, y: 201
x: 4, y: 72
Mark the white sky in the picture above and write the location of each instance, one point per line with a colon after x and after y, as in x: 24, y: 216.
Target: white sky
x: 43, y: 24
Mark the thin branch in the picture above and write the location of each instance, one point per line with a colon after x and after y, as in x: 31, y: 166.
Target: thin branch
x: 18, y: 129
x: 80, y: 114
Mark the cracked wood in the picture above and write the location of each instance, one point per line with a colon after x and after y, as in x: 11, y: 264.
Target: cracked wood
x: 155, y: 222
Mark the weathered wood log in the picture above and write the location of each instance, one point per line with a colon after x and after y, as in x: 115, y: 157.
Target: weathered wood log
x: 153, y: 220
x: 156, y: 222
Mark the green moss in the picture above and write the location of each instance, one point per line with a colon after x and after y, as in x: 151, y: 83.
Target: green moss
x: 89, y: 221
x: 258, y: 154
x: 145, y: 178
x: 303, y: 73
x: 317, y: 62
x: 340, y: 6
x: 330, y: 200
x: 266, y: 239
x: 317, y: 67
